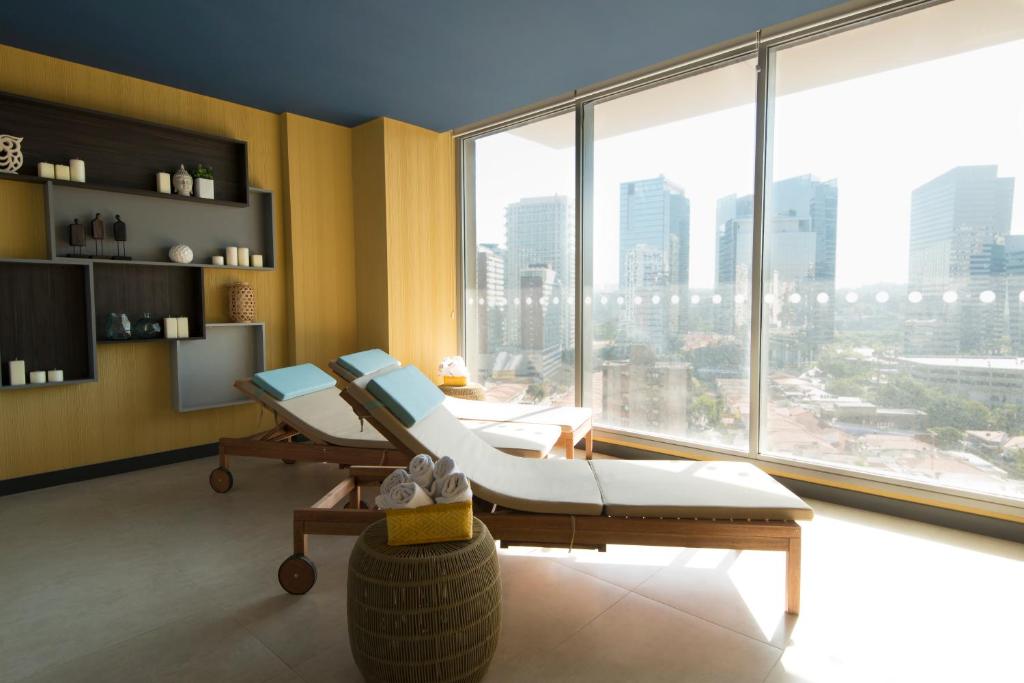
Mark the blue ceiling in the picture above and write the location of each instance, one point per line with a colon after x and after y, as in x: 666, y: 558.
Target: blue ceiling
x: 440, y: 64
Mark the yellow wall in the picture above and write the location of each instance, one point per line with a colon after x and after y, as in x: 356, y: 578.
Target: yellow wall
x: 412, y: 240
x: 308, y: 303
x: 321, y: 227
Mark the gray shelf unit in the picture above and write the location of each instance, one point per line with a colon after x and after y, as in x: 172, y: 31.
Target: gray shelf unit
x: 204, y: 370
x: 46, y: 318
x: 154, y: 226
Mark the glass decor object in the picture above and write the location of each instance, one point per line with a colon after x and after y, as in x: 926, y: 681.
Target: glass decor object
x: 147, y: 327
x: 117, y: 327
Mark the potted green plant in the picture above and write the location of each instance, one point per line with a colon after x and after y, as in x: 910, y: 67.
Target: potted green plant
x: 204, y: 181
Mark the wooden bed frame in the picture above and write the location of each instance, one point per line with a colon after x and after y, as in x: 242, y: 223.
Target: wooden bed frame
x: 297, y: 573
x: 279, y: 443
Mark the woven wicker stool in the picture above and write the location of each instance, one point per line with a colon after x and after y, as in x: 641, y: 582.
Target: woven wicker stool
x: 472, y: 391
x: 423, y: 613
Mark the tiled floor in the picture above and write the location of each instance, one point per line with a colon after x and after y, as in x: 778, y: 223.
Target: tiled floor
x: 151, y: 576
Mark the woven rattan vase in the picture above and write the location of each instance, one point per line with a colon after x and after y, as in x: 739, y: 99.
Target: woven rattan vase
x: 241, y: 303
x: 423, y: 613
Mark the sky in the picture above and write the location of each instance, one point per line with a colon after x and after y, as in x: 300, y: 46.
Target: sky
x: 880, y: 136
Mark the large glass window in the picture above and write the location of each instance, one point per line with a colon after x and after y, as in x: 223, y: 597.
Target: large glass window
x: 520, y: 280
x: 673, y: 175
x: 890, y: 284
x: 894, y: 256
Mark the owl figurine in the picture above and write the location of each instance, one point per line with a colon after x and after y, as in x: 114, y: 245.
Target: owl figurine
x: 11, y: 157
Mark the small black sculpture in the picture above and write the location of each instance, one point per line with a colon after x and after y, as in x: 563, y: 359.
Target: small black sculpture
x: 76, y: 238
x: 98, y: 233
x: 121, y: 239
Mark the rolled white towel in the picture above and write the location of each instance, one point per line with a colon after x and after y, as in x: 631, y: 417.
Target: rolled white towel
x: 392, y: 480
x: 408, y: 495
x: 444, y: 466
x: 421, y: 469
x: 453, y: 489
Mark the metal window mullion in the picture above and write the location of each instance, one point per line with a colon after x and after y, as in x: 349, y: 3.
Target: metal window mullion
x: 584, y: 262
x: 762, y: 172
x: 466, y: 216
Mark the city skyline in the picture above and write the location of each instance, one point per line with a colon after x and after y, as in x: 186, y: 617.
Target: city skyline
x: 875, y: 208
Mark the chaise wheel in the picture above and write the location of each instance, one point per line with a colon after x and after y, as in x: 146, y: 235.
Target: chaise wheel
x: 297, y: 574
x: 221, y: 480
x: 286, y: 461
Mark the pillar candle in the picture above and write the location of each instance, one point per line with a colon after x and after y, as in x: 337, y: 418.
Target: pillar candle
x: 243, y: 256
x: 231, y: 256
x: 16, y: 368
x: 77, y: 170
x: 163, y: 183
x: 37, y: 377
x: 55, y: 376
x: 45, y: 169
x: 218, y: 260
x: 63, y: 172
x: 171, y: 328
x: 257, y: 260
x: 183, y: 327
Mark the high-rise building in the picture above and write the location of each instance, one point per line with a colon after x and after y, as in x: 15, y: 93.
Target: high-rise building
x: 540, y: 322
x: 800, y: 263
x: 958, y: 225
x: 655, y: 213
x: 537, y: 231
x: 654, y: 258
x: 491, y: 303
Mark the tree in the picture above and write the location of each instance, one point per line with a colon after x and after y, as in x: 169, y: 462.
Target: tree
x: 705, y: 412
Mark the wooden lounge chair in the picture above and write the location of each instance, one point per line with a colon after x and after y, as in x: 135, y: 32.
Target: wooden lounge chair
x: 331, y: 432
x: 558, y: 502
x: 575, y: 423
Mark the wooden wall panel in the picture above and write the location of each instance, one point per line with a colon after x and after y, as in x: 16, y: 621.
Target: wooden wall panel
x: 128, y: 412
x: 371, y: 235
x: 22, y: 220
x: 420, y: 174
x: 321, y: 222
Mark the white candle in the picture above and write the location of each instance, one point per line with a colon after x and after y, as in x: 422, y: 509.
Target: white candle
x: 163, y: 183
x: 183, y: 327
x: 257, y: 260
x: 77, y: 170
x: 16, y: 368
x: 218, y: 260
x: 231, y: 254
x: 243, y: 256
x: 63, y: 172
x: 45, y: 169
x: 55, y: 376
x: 37, y: 377
x: 171, y: 328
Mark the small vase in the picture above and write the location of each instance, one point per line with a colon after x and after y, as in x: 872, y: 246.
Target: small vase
x: 182, y: 182
x: 117, y: 327
x: 204, y: 188
x: 147, y: 327
x: 241, y: 303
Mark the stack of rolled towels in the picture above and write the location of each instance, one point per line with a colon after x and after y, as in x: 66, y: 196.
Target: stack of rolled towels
x: 424, y: 483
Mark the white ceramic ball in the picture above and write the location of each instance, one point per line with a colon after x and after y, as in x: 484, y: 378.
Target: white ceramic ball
x: 181, y: 253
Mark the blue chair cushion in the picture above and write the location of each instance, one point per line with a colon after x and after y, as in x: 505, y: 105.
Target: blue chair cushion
x: 298, y: 380
x: 407, y: 393
x: 365, y: 362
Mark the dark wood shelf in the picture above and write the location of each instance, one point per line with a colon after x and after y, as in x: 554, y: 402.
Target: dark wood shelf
x: 110, y: 188
x: 46, y: 319
x: 133, y: 340
x: 67, y: 382
x: 161, y: 292
x: 121, y: 152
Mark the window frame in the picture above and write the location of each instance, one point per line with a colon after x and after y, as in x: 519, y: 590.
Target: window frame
x: 762, y: 46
